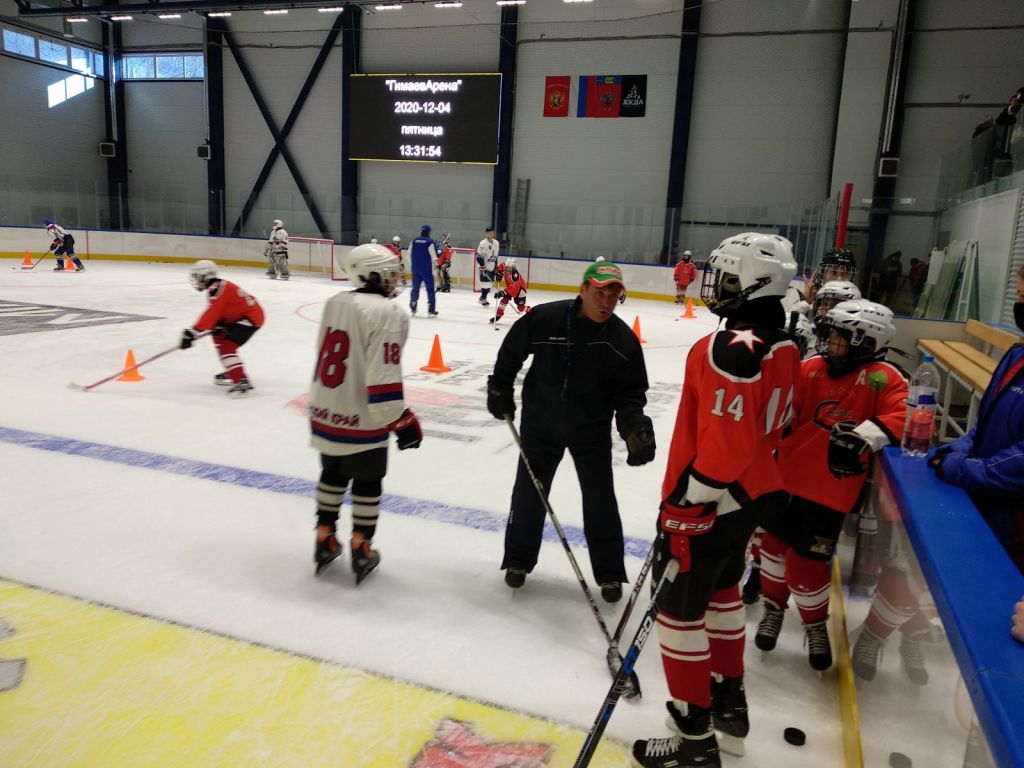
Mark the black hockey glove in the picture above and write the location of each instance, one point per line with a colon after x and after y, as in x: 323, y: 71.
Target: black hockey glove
x: 936, y: 459
x: 407, y: 429
x: 187, y: 337
x: 845, y: 449
x: 501, y: 402
x: 498, y: 295
x: 640, y: 443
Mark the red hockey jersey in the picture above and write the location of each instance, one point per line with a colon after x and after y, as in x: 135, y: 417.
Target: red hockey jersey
x: 737, y: 398
x: 513, y: 280
x: 445, y: 257
x: 822, y: 402
x: 685, y: 273
x: 230, y: 304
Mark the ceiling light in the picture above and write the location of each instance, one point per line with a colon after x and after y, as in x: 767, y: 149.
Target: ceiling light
x: 577, y: 1
x: 170, y: 16
x: 219, y: 13
x: 392, y: 7
x: 332, y: 9
x: 451, y: 4
x: 120, y: 18
x: 75, y: 19
x: 275, y: 11
x: 511, y: 2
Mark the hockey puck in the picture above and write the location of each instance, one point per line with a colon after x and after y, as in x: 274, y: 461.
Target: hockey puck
x: 795, y: 736
x: 899, y: 760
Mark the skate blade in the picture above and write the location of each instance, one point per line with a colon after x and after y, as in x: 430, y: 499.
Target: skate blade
x: 631, y: 685
x: 732, y: 745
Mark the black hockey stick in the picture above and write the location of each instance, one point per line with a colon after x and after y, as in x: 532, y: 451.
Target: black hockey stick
x: 613, y: 648
x: 157, y: 356
x: 632, y: 683
x: 36, y: 262
x: 619, y: 684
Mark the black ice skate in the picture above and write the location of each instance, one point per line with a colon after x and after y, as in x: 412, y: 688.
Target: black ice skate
x: 694, y: 747
x: 59, y: 268
x: 867, y: 653
x: 770, y: 626
x: 431, y: 313
x: 819, y: 650
x: 80, y: 268
x: 364, y: 559
x: 729, y: 704
x: 752, y: 586
x: 222, y: 380
x: 327, y: 551
x: 240, y: 388
x: 913, y: 659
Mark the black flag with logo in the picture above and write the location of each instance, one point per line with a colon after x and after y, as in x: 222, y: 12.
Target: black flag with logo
x: 634, y: 96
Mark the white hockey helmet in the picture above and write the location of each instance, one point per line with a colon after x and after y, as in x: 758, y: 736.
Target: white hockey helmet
x: 373, y: 263
x: 278, y: 223
x: 373, y: 241
x: 831, y: 293
x: 510, y: 262
x: 747, y: 266
x: 396, y: 239
x: 867, y: 326
x: 202, y: 274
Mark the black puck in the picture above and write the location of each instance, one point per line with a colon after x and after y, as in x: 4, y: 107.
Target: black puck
x: 899, y: 760
x: 795, y: 736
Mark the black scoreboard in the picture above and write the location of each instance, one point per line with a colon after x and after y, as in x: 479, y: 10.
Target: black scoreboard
x: 447, y: 118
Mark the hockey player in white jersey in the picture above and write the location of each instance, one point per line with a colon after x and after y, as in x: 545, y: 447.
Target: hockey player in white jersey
x: 487, y: 261
x: 63, y: 244
x: 356, y: 401
x: 276, y: 252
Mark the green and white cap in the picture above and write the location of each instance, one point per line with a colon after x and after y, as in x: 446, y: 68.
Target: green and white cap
x: 603, y: 273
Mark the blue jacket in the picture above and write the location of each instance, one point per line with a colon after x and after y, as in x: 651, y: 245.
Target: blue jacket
x: 422, y: 255
x: 988, y: 462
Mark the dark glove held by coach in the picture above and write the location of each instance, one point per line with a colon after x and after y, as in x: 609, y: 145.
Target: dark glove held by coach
x: 500, y: 401
x: 640, y: 443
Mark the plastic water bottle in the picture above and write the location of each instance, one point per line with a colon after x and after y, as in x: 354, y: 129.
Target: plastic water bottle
x: 922, y: 400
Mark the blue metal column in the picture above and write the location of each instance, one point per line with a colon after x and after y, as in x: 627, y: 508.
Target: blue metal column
x: 507, y: 40
x: 681, y: 128
x: 350, y: 57
x: 216, y: 176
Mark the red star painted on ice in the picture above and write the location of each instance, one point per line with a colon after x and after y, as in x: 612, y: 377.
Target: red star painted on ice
x: 745, y: 337
x: 457, y: 746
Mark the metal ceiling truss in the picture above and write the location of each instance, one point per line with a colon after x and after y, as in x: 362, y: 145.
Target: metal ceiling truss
x: 79, y: 8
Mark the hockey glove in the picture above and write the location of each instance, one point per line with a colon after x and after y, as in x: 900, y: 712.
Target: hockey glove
x: 498, y: 295
x: 677, y: 524
x: 187, y: 337
x: 640, y: 443
x: 845, y: 449
x: 500, y: 401
x: 937, y: 458
x: 407, y: 429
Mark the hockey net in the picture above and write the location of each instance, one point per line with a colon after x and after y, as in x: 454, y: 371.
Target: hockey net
x: 312, y: 254
x: 463, y: 269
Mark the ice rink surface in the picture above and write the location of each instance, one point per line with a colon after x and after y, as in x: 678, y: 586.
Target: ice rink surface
x: 167, y: 499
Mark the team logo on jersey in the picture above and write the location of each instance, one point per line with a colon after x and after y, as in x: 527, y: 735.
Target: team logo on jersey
x: 19, y: 317
x: 747, y: 337
x: 455, y: 744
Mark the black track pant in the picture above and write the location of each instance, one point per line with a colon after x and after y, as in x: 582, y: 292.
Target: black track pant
x: 601, y: 524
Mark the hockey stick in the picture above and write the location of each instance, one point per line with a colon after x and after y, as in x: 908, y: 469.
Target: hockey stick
x: 158, y: 355
x: 613, y: 649
x: 620, y: 683
x: 36, y: 262
x: 632, y: 683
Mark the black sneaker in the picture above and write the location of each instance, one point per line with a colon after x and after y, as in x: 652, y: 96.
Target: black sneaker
x: 611, y: 591
x: 515, y: 577
x: 327, y: 550
x: 222, y: 380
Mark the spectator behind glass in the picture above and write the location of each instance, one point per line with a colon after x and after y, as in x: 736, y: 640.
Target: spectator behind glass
x: 988, y: 461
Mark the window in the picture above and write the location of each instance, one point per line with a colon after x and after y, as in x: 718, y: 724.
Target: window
x: 81, y: 60
x: 53, y: 52
x: 98, y: 68
x: 23, y: 45
x: 163, y: 67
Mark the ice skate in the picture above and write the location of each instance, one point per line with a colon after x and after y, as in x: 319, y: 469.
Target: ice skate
x: 412, y: 307
x: 364, y: 558
x: 867, y: 654
x: 913, y: 659
x: 80, y: 268
x: 515, y: 577
x: 431, y: 313
x: 730, y: 719
x: 327, y: 551
x: 819, y: 650
x: 752, y: 586
x: 694, y: 747
x: 484, y: 303
x: 770, y: 626
x: 241, y: 388
x: 222, y: 380
x: 493, y: 320
x: 59, y: 268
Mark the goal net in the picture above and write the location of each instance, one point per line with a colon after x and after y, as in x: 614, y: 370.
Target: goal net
x: 311, y: 254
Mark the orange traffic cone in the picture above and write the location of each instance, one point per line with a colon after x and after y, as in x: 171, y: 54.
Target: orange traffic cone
x: 436, y: 362
x: 131, y: 371
x: 26, y: 261
x: 688, y: 314
x: 636, y: 330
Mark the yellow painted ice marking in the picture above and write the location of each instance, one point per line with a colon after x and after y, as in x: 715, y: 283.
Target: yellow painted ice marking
x: 106, y: 688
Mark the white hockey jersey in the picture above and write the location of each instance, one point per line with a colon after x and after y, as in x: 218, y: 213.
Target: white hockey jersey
x: 278, y: 242
x: 488, y: 250
x: 357, y: 382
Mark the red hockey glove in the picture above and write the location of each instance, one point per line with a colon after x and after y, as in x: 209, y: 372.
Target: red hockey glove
x: 407, y: 429
x: 677, y: 524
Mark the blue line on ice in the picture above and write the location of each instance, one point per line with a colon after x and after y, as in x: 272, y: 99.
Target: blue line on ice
x: 477, y: 519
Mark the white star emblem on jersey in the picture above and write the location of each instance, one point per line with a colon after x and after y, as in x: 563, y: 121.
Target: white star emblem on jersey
x: 745, y: 337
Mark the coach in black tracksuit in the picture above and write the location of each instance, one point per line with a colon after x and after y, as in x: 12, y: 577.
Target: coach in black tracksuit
x: 587, y: 366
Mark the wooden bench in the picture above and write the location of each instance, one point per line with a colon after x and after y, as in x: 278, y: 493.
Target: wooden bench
x: 968, y: 366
